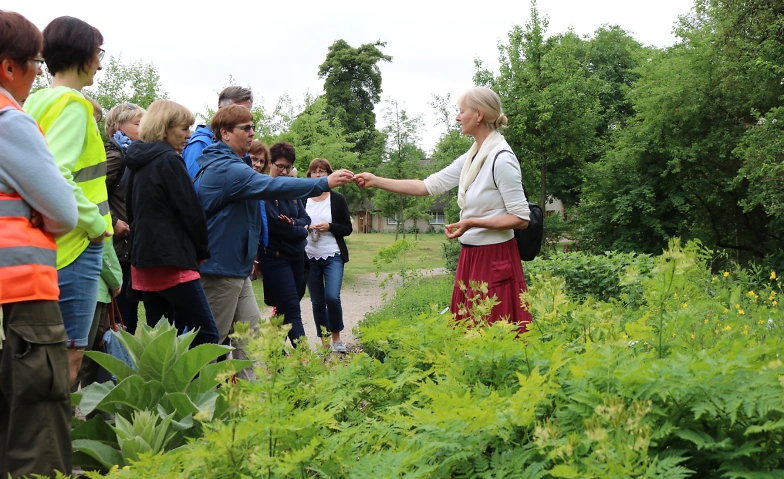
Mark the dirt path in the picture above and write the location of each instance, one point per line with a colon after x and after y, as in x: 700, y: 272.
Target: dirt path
x: 358, y: 299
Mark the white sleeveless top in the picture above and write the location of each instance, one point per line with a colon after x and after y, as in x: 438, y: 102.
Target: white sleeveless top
x: 321, y: 245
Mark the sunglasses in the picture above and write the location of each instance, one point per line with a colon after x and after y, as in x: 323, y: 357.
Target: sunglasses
x: 246, y: 128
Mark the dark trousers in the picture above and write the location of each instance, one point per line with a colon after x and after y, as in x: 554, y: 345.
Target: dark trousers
x: 324, y: 281
x: 129, y: 307
x: 186, y: 306
x: 35, y: 403
x: 284, y: 278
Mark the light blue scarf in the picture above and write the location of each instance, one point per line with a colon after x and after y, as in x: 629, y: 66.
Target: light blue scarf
x: 121, y: 139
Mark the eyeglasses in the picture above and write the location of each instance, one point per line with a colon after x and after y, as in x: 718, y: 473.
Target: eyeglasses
x: 40, y: 61
x: 256, y: 159
x: 245, y: 128
x: 319, y: 172
x: 282, y: 167
x: 101, y: 53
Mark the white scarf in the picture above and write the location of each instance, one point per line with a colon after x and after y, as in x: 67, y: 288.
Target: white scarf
x: 473, y: 164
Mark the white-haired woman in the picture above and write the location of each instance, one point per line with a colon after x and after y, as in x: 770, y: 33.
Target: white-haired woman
x: 492, y: 203
x: 122, y: 127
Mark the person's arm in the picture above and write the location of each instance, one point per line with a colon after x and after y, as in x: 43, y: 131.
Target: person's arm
x: 66, y: 140
x: 249, y: 185
x: 111, y: 272
x: 190, y: 154
x: 27, y: 166
x: 341, y: 217
x: 281, y: 229
x: 185, y: 204
x: 404, y: 187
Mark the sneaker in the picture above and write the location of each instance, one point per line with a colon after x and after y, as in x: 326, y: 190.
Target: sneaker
x: 338, y: 347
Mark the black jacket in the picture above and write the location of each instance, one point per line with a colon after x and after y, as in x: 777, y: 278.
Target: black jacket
x: 285, y: 239
x: 341, y: 222
x: 115, y: 168
x: 168, y: 227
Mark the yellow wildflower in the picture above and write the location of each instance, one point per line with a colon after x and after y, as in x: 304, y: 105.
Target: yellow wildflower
x: 692, y: 336
x: 751, y: 293
x: 706, y: 321
x: 716, y: 331
x: 746, y: 331
x: 726, y: 273
x: 727, y: 328
x: 774, y: 303
x: 726, y: 310
x: 760, y: 322
x: 737, y: 306
x: 625, y: 336
x: 773, y: 275
x: 713, y: 278
x: 740, y: 311
x: 685, y: 305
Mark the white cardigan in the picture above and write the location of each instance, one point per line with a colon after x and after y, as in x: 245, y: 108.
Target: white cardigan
x: 483, y: 199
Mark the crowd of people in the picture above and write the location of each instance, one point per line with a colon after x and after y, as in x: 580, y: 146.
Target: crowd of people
x: 182, y: 223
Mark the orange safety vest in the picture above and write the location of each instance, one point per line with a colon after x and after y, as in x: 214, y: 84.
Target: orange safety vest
x: 28, y: 255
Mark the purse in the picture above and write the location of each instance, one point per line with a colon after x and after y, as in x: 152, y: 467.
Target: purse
x: 110, y: 344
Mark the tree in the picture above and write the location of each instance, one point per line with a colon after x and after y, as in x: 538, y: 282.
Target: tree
x: 402, y: 162
x: 136, y: 82
x: 352, y: 86
x: 552, y: 104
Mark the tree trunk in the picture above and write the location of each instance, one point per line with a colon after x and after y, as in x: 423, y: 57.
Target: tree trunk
x: 402, y: 219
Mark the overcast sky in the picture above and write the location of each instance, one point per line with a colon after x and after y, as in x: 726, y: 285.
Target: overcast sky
x: 277, y: 47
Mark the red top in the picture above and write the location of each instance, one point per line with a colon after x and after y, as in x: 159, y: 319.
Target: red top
x: 159, y: 278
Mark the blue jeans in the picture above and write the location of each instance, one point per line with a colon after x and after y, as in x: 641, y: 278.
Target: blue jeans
x: 324, y: 282
x: 185, y: 305
x: 79, y: 292
x: 283, y: 277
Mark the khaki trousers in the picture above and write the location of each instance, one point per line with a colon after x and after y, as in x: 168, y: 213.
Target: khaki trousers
x: 232, y: 301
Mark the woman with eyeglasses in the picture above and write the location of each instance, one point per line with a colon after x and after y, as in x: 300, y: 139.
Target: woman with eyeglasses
x: 229, y: 191
x: 327, y: 253
x: 72, y: 50
x: 283, y: 260
x: 259, y: 157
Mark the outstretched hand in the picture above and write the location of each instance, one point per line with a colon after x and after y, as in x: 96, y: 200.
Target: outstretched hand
x: 339, y: 177
x: 365, y: 180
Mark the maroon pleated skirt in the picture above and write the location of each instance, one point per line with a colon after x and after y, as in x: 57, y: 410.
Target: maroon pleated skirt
x: 499, y: 266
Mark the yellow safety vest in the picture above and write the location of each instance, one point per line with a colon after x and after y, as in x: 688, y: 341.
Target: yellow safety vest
x: 89, y: 173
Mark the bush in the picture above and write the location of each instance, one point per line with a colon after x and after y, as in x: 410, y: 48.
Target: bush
x: 611, y: 275
x: 451, y: 254
x: 688, y: 385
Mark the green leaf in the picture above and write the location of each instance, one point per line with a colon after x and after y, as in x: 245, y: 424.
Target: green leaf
x: 111, y: 364
x: 106, y: 455
x: 130, y: 394
x: 158, y: 357
x: 180, y: 403
x: 97, y: 429
x: 189, y: 364
x: 562, y: 470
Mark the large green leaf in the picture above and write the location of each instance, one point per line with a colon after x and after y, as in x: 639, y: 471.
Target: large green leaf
x: 111, y: 364
x: 190, y: 364
x: 180, y: 403
x: 132, y: 344
x: 97, y: 429
x: 184, y: 342
x: 106, y: 455
x: 130, y: 394
x: 208, y: 376
x: 159, y: 356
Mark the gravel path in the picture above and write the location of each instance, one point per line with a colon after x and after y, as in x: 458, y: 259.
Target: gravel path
x: 358, y: 299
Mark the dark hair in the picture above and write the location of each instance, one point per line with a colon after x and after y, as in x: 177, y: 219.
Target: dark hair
x: 68, y: 43
x: 229, y: 117
x: 322, y: 163
x: 282, y: 150
x: 20, y: 40
x: 260, y: 148
x: 234, y: 94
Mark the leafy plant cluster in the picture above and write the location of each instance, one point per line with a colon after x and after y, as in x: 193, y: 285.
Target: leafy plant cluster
x: 691, y: 384
x: 606, y: 276
x: 156, y: 404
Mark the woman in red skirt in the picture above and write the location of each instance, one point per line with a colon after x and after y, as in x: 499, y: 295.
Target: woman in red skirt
x: 492, y: 203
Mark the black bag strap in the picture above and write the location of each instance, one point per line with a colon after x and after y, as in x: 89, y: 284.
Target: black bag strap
x: 496, y: 157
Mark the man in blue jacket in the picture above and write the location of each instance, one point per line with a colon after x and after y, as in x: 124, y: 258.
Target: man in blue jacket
x: 229, y: 191
x: 203, y: 136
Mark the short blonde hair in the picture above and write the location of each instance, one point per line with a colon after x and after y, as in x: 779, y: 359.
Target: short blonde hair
x: 162, y: 115
x: 122, y: 113
x: 489, y: 103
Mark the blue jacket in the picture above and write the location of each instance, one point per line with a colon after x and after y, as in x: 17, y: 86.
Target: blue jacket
x: 229, y: 191
x: 200, y: 139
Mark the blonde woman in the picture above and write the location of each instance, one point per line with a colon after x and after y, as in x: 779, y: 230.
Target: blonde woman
x: 122, y: 127
x: 492, y: 203
x: 168, y: 226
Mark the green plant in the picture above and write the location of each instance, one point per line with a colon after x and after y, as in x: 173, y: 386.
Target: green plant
x: 169, y: 381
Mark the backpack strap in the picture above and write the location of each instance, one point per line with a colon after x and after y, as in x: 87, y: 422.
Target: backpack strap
x: 496, y: 157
